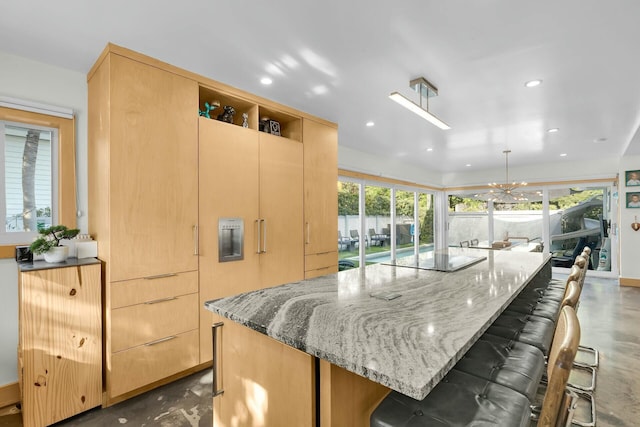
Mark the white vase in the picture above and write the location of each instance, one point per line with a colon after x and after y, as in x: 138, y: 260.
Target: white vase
x: 57, y: 254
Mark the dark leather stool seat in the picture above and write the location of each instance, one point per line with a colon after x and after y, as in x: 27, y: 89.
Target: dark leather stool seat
x: 534, y: 330
x: 513, y: 364
x: 552, y: 292
x: 460, y: 399
x: 549, y: 308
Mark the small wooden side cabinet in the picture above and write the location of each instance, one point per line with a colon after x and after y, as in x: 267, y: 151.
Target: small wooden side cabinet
x: 60, y: 339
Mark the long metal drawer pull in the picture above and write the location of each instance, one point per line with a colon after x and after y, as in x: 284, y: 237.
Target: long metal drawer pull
x: 157, y: 301
x: 161, y: 340
x: 214, y: 383
x: 160, y: 276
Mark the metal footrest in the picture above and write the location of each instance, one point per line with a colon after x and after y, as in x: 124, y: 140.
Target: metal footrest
x: 592, y: 405
x: 588, y: 388
x: 596, y: 356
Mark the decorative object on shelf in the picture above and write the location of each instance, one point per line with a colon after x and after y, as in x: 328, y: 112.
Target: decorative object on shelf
x: 633, y: 200
x: 245, y: 120
x: 227, y: 114
x: 509, y: 192
x: 635, y: 224
x: 48, y: 243
x: 425, y: 90
x: 632, y: 178
x: 208, y: 108
x: 23, y: 254
x: 264, y: 125
x: 274, y: 127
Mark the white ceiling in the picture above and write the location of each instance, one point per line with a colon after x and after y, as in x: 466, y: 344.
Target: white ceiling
x: 340, y: 59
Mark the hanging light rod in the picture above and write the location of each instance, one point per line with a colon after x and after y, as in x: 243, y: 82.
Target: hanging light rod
x: 425, y: 90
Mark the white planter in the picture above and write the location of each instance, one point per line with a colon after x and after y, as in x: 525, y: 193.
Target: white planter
x: 57, y: 254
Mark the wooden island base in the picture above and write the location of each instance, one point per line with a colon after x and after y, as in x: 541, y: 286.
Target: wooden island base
x: 266, y: 382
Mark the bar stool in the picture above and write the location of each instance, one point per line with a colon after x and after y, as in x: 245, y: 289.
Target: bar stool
x: 462, y: 399
x: 511, y: 363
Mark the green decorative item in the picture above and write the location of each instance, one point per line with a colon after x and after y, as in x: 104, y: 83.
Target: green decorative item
x: 50, y: 238
x: 208, y: 108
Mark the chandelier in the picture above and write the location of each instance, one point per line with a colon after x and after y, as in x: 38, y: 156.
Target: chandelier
x: 509, y: 192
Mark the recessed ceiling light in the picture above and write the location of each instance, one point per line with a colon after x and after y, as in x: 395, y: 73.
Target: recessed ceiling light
x: 468, y: 165
x: 553, y: 130
x: 266, y: 81
x: 369, y: 124
x: 429, y: 149
x: 533, y: 83
x: 563, y: 155
x: 600, y: 140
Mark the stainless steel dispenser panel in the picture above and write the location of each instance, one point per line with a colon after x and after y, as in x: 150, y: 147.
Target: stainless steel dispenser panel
x: 230, y: 239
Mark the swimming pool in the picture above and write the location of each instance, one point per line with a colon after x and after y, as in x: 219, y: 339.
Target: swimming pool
x: 386, y: 255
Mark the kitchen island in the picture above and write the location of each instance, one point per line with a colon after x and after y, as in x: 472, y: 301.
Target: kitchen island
x: 394, y: 327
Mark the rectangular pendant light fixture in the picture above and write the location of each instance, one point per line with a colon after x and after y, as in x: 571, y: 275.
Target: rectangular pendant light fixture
x: 424, y: 90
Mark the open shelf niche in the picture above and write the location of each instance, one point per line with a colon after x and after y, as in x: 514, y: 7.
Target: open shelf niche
x: 290, y: 125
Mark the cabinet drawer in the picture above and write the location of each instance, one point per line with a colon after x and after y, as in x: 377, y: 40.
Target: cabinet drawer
x: 130, y: 292
x: 310, y: 274
x: 145, y: 364
x: 142, y: 323
x: 316, y: 261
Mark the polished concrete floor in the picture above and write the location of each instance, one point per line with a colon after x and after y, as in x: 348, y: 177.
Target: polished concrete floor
x: 609, y: 318
x: 610, y: 321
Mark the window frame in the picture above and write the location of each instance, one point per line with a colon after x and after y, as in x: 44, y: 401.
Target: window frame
x: 65, y: 169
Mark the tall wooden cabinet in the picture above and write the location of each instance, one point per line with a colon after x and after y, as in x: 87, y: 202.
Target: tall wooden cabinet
x: 144, y: 214
x: 320, y: 198
x: 60, y: 340
x: 160, y: 179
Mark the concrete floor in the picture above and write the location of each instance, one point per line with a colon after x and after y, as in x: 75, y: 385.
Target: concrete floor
x: 186, y: 402
x: 609, y: 318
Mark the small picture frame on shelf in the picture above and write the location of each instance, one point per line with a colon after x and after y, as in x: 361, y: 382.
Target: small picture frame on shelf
x: 632, y: 178
x: 274, y: 127
x: 633, y: 200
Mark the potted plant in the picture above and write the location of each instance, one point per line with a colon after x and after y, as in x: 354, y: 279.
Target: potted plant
x: 49, y: 242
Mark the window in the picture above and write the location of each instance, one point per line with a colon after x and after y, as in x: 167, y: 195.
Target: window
x: 55, y: 201
x: 383, y: 217
x: 28, y: 158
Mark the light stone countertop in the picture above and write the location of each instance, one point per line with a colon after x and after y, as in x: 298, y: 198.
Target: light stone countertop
x: 408, y: 343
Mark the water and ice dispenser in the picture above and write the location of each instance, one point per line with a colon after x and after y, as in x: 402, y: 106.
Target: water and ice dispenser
x: 230, y: 239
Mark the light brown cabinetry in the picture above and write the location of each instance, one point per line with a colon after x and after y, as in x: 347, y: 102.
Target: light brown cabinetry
x: 256, y: 177
x: 60, y: 341
x: 320, y: 198
x: 161, y: 177
x: 144, y: 214
x: 265, y: 382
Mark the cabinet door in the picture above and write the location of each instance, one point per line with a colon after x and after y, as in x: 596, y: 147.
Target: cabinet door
x: 320, y: 187
x: 228, y: 185
x: 265, y: 382
x: 61, y: 339
x: 153, y: 171
x: 281, y: 208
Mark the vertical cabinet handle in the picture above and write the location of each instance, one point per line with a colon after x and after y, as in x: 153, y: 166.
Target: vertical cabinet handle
x: 264, y: 236
x: 308, y: 234
x: 258, y: 224
x: 214, y: 384
x: 195, y: 240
